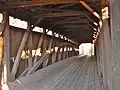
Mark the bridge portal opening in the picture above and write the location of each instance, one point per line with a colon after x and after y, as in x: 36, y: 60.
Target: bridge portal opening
x: 86, y: 49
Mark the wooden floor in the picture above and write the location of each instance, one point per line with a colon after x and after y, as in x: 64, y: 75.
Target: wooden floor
x: 73, y: 74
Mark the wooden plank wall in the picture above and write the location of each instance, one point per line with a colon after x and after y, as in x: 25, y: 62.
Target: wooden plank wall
x: 16, y: 35
x: 49, y: 42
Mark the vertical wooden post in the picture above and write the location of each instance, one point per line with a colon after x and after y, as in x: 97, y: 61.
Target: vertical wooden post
x: 50, y: 56
x: 45, y: 47
x: 66, y: 52
x: 39, y: 46
x: 62, y: 53
x: 115, y: 39
x: 50, y: 59
x: 44, y: 42
x: 1, y: 54
x: 54, y: 42
x: 22, y: 45
x: 57, y: 54
x: 6, y: 57
x: 53, y: 46
x: 73, y: 52
x: 50, y: 43
x: 98, y: 57
x: 30, y: 64
x: 107, y: 54
x: 69, y: 52
x: 3, y: 24
x: 2, y: 27
x: 102, y: 48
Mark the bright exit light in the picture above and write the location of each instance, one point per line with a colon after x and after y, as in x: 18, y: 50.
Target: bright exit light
x: 86, y: 49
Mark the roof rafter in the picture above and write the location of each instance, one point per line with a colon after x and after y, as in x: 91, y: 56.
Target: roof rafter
x: 63, y: 14
x: 90, y: 9
x: 66, y: 14
x: 40, y: 2
x: 70, y: 19
x: 84, y: 23
x: 72, y: 26
x: 70, y: 22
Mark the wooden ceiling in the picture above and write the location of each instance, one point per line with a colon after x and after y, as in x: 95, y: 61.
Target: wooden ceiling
x: 68, y: 17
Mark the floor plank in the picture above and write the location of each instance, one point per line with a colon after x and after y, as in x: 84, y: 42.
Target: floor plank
x: 75, y: 73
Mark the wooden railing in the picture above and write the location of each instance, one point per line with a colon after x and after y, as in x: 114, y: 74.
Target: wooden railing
x: 46, y: 58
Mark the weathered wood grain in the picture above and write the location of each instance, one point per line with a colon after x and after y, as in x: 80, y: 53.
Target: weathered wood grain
x: 75, y: 73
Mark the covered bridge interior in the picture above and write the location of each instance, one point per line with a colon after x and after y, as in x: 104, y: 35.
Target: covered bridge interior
x: 41, y: 51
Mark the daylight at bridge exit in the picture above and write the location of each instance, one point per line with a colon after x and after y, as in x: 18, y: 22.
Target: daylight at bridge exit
x: 59, y: 44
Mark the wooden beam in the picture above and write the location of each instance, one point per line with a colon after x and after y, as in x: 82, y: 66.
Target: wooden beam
x: 38, y: 21
x: 40, y: 40
x: 67, y: 56
x: 58, y: 49
x: 53, y: 43
x: 72, y: 26
x: 66, y: 14
x: 72, y: 52
x: 65, y: 6
x: 6, y: 57
x: 55, y: 9
x: 39, y: 3
x: 3, y: 24
x: 66, y: 52
x: 57, y: 54
x: 104, y: 3
x: 49, y: 48
x: 39, y: 46
x: 46, y: 63
x: 62, y: 53
x: 22, y: 4
x: 69, y: 51
x: 30, y: 64
x: 90, y: 9
x: 40, y: 61
x: 62, y: 25
x: 1, y: 47
x: 72, y: 22
x: 22, y: 45
x: 1, y: 57
x: 25, y: 72
x: 44, y: 45
x: 114, y: 43
x: 71, y: 19
x: 62, y: 14
x: 53, y: 46
x: 50, y: 59
x: 50, y: 44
